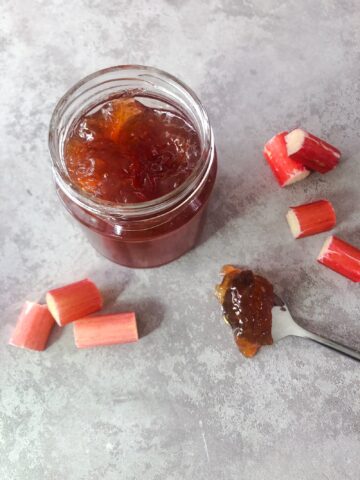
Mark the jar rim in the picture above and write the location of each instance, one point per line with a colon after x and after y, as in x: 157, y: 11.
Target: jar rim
x: 127, y: 210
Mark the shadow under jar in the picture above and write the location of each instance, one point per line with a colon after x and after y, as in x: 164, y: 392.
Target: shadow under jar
x: 134, y: 163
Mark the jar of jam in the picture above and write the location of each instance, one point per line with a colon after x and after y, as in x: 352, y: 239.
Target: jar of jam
x: 134, y: 163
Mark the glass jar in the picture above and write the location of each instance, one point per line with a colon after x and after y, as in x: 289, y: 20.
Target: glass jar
x: 145, y: 234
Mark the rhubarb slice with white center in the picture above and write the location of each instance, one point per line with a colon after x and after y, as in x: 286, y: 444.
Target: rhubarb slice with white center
x: 311, y: 218
x: 311, y: 151
x: 341, y: 257
x: 285, y: 169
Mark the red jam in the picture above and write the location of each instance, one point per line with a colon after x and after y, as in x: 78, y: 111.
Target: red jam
x: 247, y: 301
x: 125, y: 152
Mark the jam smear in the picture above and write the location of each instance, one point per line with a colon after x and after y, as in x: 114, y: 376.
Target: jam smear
x: 247, y: 300
x: 125, y: 152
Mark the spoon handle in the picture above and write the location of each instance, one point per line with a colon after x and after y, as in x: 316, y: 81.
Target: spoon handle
x: 334, y: 345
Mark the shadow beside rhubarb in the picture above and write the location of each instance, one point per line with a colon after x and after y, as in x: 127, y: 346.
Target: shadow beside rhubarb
x: 55, y: 335
x: 149, y: 314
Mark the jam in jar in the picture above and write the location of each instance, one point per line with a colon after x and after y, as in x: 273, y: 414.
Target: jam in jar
x: 134, y: 162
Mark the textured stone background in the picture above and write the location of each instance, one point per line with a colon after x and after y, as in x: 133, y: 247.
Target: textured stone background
x: 183, y: 403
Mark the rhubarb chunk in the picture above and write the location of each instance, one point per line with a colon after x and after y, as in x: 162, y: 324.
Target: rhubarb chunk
x: 106, y: 330
x: 311, y: 218
x: 33, y: 327
x: 73, y: 301
x: 285, y: 169
x: 311, y: 151
x: 341, y: 257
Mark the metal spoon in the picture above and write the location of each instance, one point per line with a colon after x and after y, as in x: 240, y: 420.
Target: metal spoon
x: 284, y: 325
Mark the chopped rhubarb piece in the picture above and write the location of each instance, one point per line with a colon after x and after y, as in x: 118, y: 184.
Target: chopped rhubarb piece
x: 73, y: 301
x: 33, y: 327
x: 341, y: 257
x: 311, y: 151
x: 311, y: 218
x: 106, y: 330
x: 286, y: 169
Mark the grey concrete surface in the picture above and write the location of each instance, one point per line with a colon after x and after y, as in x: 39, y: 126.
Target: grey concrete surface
x: 183, y: 403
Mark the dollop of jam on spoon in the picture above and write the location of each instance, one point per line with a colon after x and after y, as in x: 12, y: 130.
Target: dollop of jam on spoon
x: 247, y: 300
